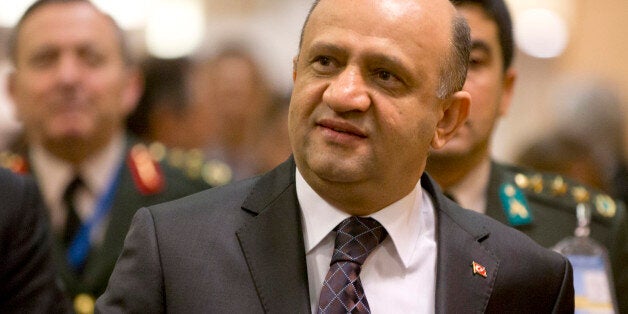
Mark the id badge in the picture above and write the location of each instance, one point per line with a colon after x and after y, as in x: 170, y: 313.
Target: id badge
x: 592, y: 284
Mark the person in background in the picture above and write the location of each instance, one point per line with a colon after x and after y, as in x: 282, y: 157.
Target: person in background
x: 274, y: 145
x: 74, y: 82
x: 376, y: 85
x: 165, y: 106
x: 592, y: 112
x: 567, y: 156
x: 27, y: 273
x: 235, y: 101
x: 541, y: 205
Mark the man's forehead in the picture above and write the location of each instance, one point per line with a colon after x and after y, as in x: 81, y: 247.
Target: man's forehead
x: 484, y: 32
x: 411, y: 16
x: 68, y: 14
x: 66, y: 22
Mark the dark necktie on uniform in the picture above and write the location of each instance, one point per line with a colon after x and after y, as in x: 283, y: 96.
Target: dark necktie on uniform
x: 342, y: 290
x: 72, y: 220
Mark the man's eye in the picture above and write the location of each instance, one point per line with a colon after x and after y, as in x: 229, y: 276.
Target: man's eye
x: 324, y: 61
x: 324, y: 65
x: 478, y: 60
x: 384, y: 75
x: 92, y: 57
x: 43, y: 59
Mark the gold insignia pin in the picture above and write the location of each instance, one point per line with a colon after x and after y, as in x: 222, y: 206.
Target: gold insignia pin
x: 559, y: 187
x: 580, y: 194
x: 84, y: 304
x: 536, y: 183
x: 522, y: 181
x: 605, y: 205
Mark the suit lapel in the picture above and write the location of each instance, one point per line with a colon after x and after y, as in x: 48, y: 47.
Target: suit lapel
x: 272, y: 243
x: 458, y: 288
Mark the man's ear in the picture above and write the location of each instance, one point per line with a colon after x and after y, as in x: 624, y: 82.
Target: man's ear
x: 508, y: 86
x: 132, y: 90
x: 11, y: 87
x: 454, y: 117
x: 294, y: 67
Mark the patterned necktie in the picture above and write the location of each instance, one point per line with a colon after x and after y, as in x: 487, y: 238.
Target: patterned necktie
x: 342, y: 290
x: 72, y: 221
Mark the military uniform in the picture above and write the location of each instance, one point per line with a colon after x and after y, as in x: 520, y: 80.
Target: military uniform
x: 151, y: 175
x: 543, y: 206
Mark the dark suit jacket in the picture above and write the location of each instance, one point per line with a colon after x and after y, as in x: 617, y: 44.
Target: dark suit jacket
x: 128, y: 198
x: 555, y: 219
x: 239, y: 249
x: 27, y: 274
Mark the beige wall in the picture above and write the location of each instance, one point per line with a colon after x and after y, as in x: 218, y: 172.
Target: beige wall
x: 597, y: 51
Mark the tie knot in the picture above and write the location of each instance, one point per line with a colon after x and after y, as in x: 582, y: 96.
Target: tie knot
x: 356, y: 237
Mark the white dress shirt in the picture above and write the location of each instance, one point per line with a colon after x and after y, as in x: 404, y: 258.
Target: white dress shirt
x: 97, y: 173
x: 399, y: 276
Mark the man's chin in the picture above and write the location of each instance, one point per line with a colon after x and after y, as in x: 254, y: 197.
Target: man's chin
x: 450, y: 150
x: 68, y: 137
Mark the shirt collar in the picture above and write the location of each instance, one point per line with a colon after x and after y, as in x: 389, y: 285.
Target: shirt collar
x: 96, y: 172
x: 403, y: 219
x: 99, y: 169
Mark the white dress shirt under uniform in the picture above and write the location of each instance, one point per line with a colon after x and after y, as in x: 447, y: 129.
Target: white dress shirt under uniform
x: 399, y: 276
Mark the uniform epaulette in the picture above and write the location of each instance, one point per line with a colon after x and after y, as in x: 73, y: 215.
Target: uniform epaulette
x: 14, y: 162
x: 193, y: 163
x: 559, y: 192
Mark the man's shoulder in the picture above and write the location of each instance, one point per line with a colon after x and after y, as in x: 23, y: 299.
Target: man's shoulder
x: 500, y: 239
x: 221, y: 201
x: 520, y: 190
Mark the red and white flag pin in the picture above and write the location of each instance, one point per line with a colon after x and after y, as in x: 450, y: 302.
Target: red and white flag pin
x: 478, y: 269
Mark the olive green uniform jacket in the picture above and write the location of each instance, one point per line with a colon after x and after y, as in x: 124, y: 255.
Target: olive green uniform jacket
x: 552, y: 204
x: 178, y: 179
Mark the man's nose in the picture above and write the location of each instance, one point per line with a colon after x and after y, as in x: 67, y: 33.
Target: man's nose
x: 68, y: 69
x: 348, y: 91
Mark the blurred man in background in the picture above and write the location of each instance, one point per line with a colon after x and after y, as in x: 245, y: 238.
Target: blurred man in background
x: 235, y: 103
x: 74, y: 83
x: 542, y: 206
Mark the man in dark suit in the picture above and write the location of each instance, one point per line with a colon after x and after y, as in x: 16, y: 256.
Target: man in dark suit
x: 541, y: 205
x: 74, y: 82
x: 375, y: 85
x: 27, y: 273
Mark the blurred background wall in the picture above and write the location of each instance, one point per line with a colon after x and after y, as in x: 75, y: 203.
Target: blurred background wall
x: 567, y: 48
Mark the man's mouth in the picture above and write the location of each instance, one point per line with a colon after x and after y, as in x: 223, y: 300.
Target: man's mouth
x: 342, y: 127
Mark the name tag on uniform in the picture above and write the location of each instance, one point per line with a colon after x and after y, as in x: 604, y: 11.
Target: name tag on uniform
x: 591, y: 284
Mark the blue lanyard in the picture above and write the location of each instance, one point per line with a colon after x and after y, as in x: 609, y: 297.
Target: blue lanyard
x: 79, y: 248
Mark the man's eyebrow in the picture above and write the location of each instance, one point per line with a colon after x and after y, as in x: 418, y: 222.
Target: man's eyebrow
x: 481, y: 45
x: 392, y: 63
x: 326, y: 47
x: 384, y: 59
